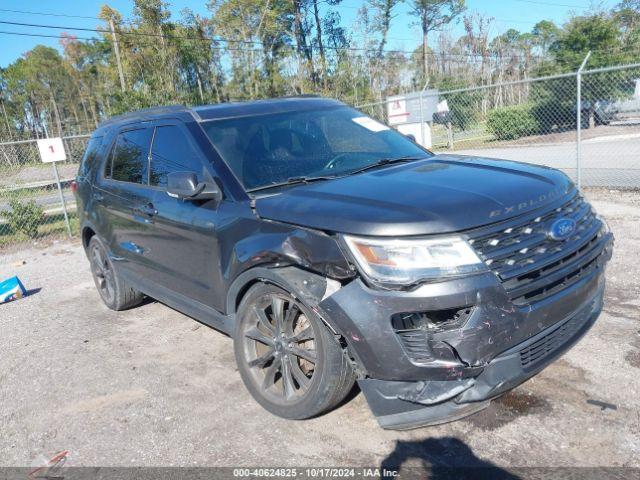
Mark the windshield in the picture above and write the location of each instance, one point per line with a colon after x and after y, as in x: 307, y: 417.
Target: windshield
x: 271, y: 149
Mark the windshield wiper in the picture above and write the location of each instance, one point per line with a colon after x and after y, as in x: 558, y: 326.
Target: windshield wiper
x: 290, y: 181
x: 385, y: 161
x: 302, y: 179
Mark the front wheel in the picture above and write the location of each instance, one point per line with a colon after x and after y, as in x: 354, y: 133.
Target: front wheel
x: 288, y: 359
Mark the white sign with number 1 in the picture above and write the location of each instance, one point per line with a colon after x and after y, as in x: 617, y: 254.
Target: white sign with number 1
x: 52, y: 150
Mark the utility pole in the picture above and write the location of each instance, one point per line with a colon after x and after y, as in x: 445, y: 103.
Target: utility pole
x: 422, y: 129
x: 579, y: 120
x: 117, y: 50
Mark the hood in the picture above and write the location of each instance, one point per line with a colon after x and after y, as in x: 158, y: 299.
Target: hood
x: 442, y: 194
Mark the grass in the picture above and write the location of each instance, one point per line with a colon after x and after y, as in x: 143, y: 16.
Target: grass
x: 28, y: 193
x: 475, y: 135
x: 53, y: 226
x: 6, y: 169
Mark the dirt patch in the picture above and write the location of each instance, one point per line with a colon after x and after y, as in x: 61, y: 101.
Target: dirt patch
x: 507, y: 408
x: 633, y: 357
x: 105, y: 401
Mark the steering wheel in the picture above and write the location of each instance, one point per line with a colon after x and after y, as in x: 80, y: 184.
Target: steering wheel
x: 331, y: 164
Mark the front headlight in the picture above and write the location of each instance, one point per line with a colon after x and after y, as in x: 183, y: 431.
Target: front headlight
x: 409, y: 261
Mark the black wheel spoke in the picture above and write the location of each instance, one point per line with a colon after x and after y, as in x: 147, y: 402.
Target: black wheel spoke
x: 263, y: 320
x: 304, y: 335
x: 258, y: 336
x: 100, y: 261
x: 275, y: 331
x: 277, y: 305
x: 108, y: 285
x: 270, y: 374
x: 262, y: 360
x: 104, y: 276
x: 287, y: 379
x: 97, y: 263
x: 290, y: 317
x: 309, y: 355
x: 299, y: 375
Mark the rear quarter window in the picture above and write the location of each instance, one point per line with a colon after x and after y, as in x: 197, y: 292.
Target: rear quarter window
x: 90, y: 157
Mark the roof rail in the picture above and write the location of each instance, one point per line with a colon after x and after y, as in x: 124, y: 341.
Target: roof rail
x: 140, y: 114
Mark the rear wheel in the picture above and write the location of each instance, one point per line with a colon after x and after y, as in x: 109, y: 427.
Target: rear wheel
x: 288, y: 359
x: 114, y: 291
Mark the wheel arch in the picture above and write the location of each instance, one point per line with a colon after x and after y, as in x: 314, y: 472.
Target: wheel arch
x: 306, y: 286
x: 87, y: 233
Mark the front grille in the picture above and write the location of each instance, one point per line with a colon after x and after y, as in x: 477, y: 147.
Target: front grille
x: 533, y: 266
x: 539, y: 350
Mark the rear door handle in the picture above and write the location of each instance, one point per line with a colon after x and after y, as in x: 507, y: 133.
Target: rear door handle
x: 147, y: 210
x: 98, y: 197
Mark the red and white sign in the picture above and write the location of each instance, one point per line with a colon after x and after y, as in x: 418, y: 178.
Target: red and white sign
x: 397, y: 111
x: 52, y: 150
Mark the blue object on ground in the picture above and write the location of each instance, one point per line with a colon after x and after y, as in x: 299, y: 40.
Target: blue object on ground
x: 11, y: 289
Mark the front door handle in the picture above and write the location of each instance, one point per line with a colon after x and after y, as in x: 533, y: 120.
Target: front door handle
x: 147, y: 210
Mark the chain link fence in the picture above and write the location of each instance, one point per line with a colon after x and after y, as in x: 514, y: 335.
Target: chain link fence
x: 584, y: 123
x: 31, y: 208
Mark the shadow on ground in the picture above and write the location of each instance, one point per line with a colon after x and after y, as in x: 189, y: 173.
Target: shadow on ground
x: 440, y: 458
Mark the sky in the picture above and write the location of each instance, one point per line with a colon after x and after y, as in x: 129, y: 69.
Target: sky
x: 521, y: 15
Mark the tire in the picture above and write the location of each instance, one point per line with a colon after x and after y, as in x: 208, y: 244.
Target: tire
x: 114, y: 291
x: 307, y: 354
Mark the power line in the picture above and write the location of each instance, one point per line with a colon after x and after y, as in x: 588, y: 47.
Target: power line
x: 549, y: 4
x: 225, y: 40
x: 96, y: 39
x: 139, y: 34
x: 130, y: 22
x: 455, y: 57
x: 50, y: 14
x: 42, y: 35
x: 208, y: 39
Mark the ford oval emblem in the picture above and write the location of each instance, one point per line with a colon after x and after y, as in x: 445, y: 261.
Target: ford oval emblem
x: 562, y: 228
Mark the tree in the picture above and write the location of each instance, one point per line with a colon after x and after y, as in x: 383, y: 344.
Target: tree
x: 433, y: 14
x: 247, y: 49
x: 627, y: 16
x: 627, y: 13
x: 545, y: 33
x: 597, y: 33
x: 382, y: 21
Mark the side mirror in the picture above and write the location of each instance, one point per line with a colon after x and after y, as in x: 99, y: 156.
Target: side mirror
x: 185, y: 186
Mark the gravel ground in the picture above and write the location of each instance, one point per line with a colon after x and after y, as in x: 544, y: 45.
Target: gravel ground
x: 151, y: 387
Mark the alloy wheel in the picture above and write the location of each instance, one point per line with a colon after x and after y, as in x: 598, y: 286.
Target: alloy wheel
x: 280, y: 348
x: 103, y: 274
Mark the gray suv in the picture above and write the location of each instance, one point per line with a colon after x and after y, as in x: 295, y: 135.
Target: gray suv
x: 334, y: 250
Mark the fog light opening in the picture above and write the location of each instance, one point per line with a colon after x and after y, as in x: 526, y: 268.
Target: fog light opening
x: 432, y: 320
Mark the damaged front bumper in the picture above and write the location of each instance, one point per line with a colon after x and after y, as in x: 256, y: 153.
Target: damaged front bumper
x: 404, y: 405
x: 439, y: 373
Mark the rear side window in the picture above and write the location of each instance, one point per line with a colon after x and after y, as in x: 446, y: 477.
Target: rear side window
x: 130, y: 156
x: 172, y: 151
x: 89, y: 157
